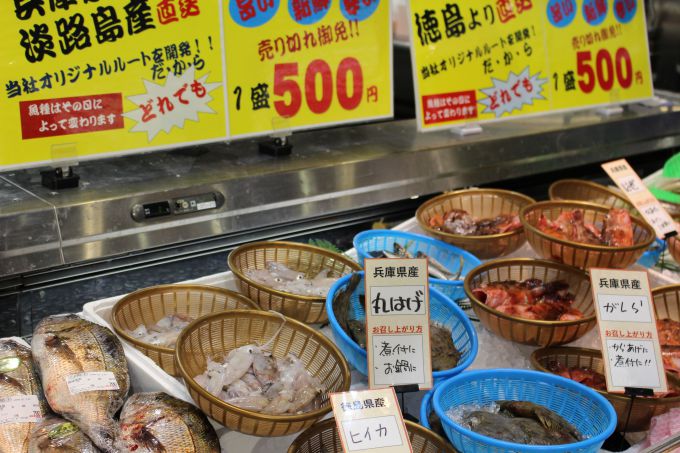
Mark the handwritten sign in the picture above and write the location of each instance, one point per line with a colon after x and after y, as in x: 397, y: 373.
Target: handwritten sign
x: 491, y: 60
x: 20, y: 409
x: 91, y: 381
x: 306, y: 63
x: 397, y: 323
x: 627, y: 322
x: 83, y: 78
x: 630, y: 183
x: 370, y: 420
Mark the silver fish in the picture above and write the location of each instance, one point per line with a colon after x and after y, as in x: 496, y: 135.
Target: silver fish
x: 65, y: 346
x: 159, y: 423
x: 56, y: 435
x: 18, y: 378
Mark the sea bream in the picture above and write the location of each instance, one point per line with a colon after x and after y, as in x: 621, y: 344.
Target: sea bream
x: 84, y: 374
x: 159, y: 423
x: 57, y: 435
x: 17, y: 379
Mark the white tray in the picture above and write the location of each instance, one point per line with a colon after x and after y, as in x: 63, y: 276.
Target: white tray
x: 494, y: 352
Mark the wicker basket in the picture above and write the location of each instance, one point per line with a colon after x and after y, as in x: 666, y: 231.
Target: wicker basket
x: 580, y: 190
x: 147, y: 306
x: 480, y: 203
x: 527, y: 331
x: 214, y: 335
x: 580, y: 255
x: 644, y: 408
x: 303, y: 258
x: 323, y: 437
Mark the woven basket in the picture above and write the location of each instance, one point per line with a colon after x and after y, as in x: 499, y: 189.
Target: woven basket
x: 580, y: 190
x: 527, y: 331
x: 303, y: 258
x: 479, y: 203
x: 214, y: 335
x: 323, y: 437
x: 147, y: 306
x: 674, y: 248
x: 580, y: 255
x: 644, y: 408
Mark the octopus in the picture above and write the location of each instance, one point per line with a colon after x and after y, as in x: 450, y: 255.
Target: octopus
x: 616, y: 231
x: 458, y: 221
x: 530, y: 299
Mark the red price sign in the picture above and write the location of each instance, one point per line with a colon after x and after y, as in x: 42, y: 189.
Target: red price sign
x: 604, y: 70
x: 319, y: 89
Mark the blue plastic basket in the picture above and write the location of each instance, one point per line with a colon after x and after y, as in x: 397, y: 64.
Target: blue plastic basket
x: 426, y: 408
x: 448, y: 255
x: 653, y: 253
x: 581, y: 406
x: 443, y: 311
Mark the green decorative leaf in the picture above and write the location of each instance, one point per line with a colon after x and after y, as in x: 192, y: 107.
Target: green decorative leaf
x: 672, y: 167
x: 665, y: 195
x: 327, y: 245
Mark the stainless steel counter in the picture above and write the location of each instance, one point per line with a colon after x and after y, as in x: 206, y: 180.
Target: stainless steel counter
x: 329, y: 172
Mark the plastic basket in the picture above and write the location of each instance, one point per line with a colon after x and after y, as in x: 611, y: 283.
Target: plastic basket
x: 443, y: 311
x: 584, y: 408
x: 448, y: 255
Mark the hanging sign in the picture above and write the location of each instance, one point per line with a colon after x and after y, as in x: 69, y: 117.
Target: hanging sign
x: 639, y: 195
x: 397, y: 322
x: 627, y: 323
x: 370, y: 420
x: 83, y: 78
x: 490, y: 60
x: 294, y: 64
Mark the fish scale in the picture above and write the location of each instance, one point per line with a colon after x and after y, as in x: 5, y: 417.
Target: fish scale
x: 158, y: 423
x: 18, y: 377
x: 64, y: 345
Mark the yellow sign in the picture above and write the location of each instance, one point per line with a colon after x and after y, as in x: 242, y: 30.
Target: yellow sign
x: 370, y: 420
x: 630, y: 341
x: 492, y: 60
x: 83, y: 78
x: 298, y: 63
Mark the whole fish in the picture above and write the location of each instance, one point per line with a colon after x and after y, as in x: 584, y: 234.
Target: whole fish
x: 159, y: 423
x: 18, y: 378
x: 56, y: 435
x: 71, y: 353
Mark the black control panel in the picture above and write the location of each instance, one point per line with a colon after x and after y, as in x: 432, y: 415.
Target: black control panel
x: 177, y: 206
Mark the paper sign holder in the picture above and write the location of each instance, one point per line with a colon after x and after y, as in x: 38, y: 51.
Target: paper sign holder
x: 60, y: 178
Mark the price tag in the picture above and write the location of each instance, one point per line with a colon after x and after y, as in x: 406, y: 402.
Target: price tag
x: 370, y: 420
x: 627, y: 323
x: 398, y: 323
x: 490, y: 60
x: 20, y: 409
x: 306, y: 63
x: 630, y: 183
x: 91, y: 381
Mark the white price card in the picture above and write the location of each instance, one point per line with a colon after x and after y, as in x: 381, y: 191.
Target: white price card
x: 398, y: 322
x: 20, y: 409
x: 628, y: 332
x: 647, y: 205
x: 91, y: 381
x: 370, y: 420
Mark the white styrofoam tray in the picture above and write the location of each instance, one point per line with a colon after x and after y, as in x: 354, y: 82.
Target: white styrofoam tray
x: 494, y: 352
